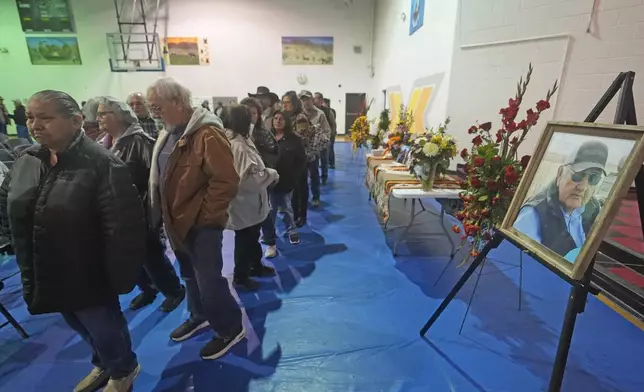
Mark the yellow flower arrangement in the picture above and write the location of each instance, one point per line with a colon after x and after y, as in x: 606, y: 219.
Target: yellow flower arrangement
x: 360, y: 132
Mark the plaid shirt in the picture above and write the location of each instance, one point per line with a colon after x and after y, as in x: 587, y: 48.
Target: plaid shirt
x: 150, y: 126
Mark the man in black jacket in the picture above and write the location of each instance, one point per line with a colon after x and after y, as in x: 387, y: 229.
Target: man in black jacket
x: 78, y: 230
x: 129, y: 142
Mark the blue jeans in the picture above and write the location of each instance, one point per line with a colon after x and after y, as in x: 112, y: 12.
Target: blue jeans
x: 208, y: 292
x: 105, y: 329
x: 23, y: 133
x: 314, y: 174
x: 283, y: 201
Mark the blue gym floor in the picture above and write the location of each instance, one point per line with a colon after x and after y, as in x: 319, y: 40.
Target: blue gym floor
x: 344, y: 315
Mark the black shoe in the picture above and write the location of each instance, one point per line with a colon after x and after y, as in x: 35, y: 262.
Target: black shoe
x: 263, y: 272
x: 246, y: 284
x: 324, y: 180
x: 188, y: 329
x: 219, y: 346
x: 294, y: 238
x: 142, y: 300
x: 300, y: 223
x: 315, y: 203
x: 332, y: 167
x: 170, y: 304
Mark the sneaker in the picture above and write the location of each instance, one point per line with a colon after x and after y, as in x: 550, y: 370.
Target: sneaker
x: 188, y: 329
x: 271, y: 252
x: 142, y: 300
x: 218, y: 346
x: 263, y: 272
x: 246, y: 284
x: 300, y: 223
x: 123, y: 384
x: 96, y: 379
x: 315, y: 202
x: 332, y: 167
x: 324, y: 181
x: 170, y: 304
x: 294, y: 238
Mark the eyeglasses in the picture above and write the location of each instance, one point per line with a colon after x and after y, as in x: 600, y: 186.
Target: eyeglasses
x: 102, y: 114
x: 155, y: 109
x: 594, y: 177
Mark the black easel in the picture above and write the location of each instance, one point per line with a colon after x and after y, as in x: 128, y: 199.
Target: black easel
x: 625, y: 114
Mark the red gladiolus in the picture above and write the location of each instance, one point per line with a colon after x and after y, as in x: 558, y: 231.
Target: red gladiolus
x: 499, y: 137
x: 492, y: 185
x: 474, y: 253
x: 522, y: 125
x: 496, y: 200
x: 543, y: 105
x: 496, y: 159
x: 511, y: 126
x: 472, y: 129
x: 477, y: 141
x: 475, y: 182
x: 511, y: 176
x: 485, y: 212
x: 479, y: 161
x: 524, y: 161
x: 460, y: 216
x: 464, y: 153
x: 456, y: 229
x: 486, y: 126
x: 532, y: 117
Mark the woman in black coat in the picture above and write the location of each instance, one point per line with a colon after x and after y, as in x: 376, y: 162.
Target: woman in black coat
x: 78, y: 230
x: 290, y: 165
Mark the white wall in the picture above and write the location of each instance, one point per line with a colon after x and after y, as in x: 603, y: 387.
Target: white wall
x: 245, y: 49
x: 402, y: 62
x: 485, y: 66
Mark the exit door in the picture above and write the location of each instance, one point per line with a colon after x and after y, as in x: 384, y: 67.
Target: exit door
x: 356, y: 105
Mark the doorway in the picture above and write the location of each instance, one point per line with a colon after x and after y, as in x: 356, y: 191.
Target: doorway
x: 355, y: 106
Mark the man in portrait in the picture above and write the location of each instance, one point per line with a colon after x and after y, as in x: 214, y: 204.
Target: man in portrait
x: 561, y: 214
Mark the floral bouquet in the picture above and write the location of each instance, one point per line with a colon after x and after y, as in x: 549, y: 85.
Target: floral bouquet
x: 431, y: 154
x: 381, y: 131
x: 400, y: 135
x: 360, y: 132
x: 494, y: 170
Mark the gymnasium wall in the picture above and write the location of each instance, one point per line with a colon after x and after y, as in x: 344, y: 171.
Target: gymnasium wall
x: 245, y: 49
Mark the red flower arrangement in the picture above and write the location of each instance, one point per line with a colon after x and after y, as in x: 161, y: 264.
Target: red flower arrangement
x: 493, y: 168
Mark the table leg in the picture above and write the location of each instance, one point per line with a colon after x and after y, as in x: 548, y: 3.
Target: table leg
x: 407, y: 228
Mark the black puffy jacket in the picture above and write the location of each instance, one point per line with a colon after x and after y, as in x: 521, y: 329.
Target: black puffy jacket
x: 291, y: 162
x: 77, y: 228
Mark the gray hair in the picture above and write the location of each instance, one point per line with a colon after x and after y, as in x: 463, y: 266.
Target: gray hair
x: 89, y: 110
x: 170, y: 89
x: 121, y: 110
x: 138, y: 95
x: 65, y: 105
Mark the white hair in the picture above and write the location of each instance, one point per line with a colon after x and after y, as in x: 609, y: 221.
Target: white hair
x: 137, y: 95
x: 121, y: 110
x: 89, y: 110
x: 170, y: 89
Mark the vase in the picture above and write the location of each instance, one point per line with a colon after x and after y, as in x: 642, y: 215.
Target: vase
x: 394, y: 153
x: 429, y: 175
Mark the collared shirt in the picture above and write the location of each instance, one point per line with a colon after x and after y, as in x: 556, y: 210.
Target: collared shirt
x: 528, y: 223
x: 149, y: 126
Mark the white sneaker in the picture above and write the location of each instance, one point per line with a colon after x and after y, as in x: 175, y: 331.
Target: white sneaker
x: 271, y: 252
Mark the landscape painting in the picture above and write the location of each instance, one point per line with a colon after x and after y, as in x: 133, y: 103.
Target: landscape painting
x: 307, y: 50
x: 186, y: 51
x: 54, y: 50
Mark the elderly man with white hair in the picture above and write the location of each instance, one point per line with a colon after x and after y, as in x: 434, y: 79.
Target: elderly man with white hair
x: 140, y: 107
x: 192, y: 182
x: 125, y: 138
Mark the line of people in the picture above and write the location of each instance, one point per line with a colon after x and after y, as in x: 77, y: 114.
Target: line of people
x: 85, y: 209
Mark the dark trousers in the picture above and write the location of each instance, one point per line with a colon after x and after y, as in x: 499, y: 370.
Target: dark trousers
x: 300, y: 200
x: 314, y: 174
x: 157, y: 273
x: 208, y: 292
x: 332, y: 150
x: 268, y: 229
x: 324, y: 163
x: 105, y: 329
x: 248, y: 251
x: 3, y: 128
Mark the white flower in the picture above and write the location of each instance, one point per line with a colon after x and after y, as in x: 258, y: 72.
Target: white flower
x: 431, y: 149
x: 418, y: 140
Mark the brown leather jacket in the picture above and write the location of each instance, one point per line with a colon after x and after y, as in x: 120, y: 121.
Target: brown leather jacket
x: 199, y: 180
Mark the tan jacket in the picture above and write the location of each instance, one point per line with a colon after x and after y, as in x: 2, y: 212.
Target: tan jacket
x: 199, y: 182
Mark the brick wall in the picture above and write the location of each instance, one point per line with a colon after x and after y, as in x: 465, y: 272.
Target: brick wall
x: 496, y: 39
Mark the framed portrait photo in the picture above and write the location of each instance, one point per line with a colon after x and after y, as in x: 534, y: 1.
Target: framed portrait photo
x: 571, y: 191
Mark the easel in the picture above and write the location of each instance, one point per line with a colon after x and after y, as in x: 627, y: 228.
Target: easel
x: 625, y: 114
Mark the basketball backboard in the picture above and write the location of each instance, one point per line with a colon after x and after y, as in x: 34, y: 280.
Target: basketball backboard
x: 135, y: 52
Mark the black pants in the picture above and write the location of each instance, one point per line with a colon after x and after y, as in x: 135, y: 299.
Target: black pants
x: 300, y: 200
x: 157, y: 273
x: 248, y: 251
x: 314, y: 174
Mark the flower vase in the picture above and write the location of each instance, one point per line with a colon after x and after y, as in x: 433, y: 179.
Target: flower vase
x: 394, y: 153
x: 429, y: 175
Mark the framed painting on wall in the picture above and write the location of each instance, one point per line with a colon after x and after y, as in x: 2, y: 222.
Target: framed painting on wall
x: 45, y: 16
x: 571, y: 191
x: 307, y: 50
x: 54, y: 50
x: 417, y: 15
x: 186, y: 51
